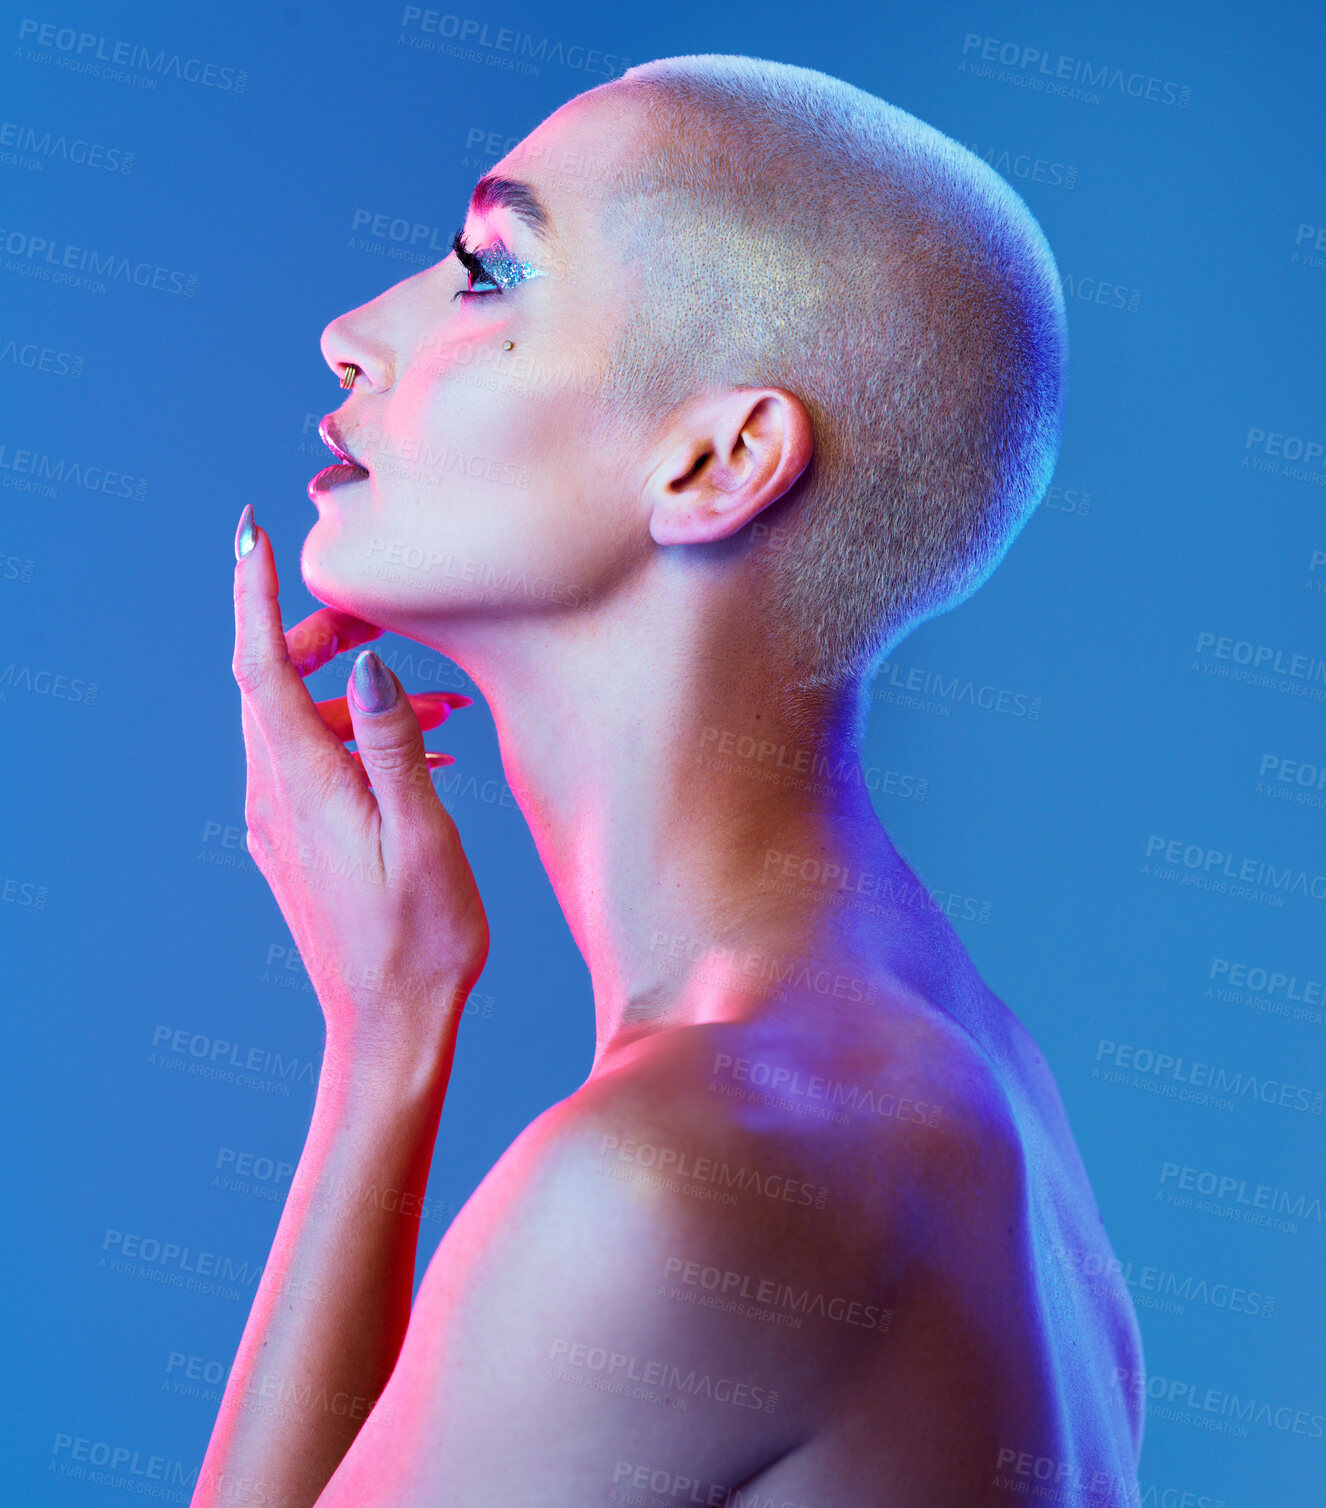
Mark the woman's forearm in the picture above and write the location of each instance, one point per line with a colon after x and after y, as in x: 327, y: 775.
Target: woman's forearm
x: 333, y: 1303
x: 370, y: 873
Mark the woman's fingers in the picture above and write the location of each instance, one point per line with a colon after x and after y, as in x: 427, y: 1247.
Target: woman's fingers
x: 391, y: 749
x: 432, y: 708
x: 325, y: 634
x: 273, y: 693
x: 435, y: 761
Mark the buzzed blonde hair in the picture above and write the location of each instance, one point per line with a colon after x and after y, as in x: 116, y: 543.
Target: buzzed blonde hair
x: 797, y: 232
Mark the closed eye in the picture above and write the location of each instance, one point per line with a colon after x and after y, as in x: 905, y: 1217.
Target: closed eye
x: 492, y: 269
x: 480, y: 279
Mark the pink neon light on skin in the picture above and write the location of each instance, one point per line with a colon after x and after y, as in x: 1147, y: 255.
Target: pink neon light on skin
x: 582, y: 575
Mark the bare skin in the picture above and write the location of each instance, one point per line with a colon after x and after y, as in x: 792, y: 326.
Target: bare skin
x: 872, y: 1146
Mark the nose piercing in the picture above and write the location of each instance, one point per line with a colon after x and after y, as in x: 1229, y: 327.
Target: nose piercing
x: 508, y: 345
x: 349, y: 374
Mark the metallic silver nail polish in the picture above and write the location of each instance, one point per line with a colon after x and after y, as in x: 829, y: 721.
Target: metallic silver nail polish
x: 375, y: 690
x: 246, y: 536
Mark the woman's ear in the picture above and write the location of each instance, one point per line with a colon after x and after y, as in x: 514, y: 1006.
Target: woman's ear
x: 725, y: 458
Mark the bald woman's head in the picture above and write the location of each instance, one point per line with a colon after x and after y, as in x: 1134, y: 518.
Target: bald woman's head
x: 791, y: 230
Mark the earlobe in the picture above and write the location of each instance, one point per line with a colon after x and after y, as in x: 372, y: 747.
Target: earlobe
x: 726, y: 458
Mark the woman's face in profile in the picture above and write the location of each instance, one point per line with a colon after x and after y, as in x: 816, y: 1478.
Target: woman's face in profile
x: 491, y: 484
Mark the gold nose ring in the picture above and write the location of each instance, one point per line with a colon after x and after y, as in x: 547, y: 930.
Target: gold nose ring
x: 349, y: 374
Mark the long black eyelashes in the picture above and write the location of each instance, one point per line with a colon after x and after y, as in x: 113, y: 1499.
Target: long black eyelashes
x: 471, y: 263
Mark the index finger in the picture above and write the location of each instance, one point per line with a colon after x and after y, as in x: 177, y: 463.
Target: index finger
x: 269, y: 683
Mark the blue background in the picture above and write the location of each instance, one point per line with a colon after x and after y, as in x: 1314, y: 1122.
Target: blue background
x: 131, y: 907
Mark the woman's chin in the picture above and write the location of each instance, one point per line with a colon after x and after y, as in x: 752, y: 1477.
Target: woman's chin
x: 354, y: 577
x: 343, y: 579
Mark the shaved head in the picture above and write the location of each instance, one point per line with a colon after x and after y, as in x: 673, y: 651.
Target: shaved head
x: 793, y: 231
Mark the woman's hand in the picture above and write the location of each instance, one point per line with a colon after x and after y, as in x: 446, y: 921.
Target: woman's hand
x: 364, y: 860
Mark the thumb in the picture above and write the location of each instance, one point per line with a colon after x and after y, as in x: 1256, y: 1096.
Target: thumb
x: 391, y: 743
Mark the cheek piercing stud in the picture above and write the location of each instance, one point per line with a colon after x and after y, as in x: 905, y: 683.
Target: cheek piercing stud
x: 349, y: 374
x: 508, y: 345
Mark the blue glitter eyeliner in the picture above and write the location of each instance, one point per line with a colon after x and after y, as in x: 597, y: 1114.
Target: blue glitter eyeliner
x: 494, y: 264
x: 504, y: 269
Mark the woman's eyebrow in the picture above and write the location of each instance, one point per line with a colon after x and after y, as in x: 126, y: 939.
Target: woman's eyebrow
x: 492, y: 192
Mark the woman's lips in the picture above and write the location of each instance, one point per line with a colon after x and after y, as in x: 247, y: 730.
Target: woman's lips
x: 331, y: 477
x: 330, y: 435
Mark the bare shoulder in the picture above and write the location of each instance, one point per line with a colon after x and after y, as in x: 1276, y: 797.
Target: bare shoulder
x: 699, y: 1252
x: 643, y: 1280
x: 836, y: 1121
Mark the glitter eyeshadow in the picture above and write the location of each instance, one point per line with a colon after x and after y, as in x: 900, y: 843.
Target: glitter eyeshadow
x: 504, y: 269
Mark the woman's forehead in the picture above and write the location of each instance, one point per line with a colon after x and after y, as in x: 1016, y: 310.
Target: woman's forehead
x: 575, y: 160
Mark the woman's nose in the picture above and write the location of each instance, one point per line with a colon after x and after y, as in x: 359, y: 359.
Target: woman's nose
x: 355, y: 356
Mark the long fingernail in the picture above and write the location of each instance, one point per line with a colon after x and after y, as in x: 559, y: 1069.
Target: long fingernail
x: 246, y: 536
x: 375, y: 689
